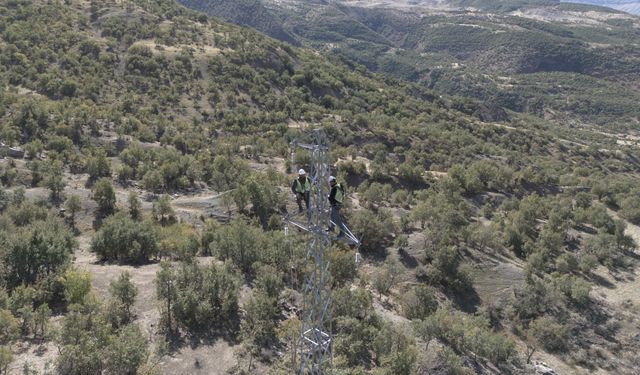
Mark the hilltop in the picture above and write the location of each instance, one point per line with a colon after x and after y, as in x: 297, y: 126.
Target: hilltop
x: 629, y: 6
x: 142, y: 199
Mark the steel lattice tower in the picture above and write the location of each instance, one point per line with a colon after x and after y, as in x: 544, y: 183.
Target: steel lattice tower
x: 315, y: 353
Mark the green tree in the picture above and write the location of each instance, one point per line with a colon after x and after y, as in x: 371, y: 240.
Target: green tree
x: 41, y: 321
x: 419, y: 302
x: 370, y: 228
x: 269, y: 281
x: 426, y: 330
x: 77, y: 285
x: 239, y: 242
x: 166, y: 291
x: 162, y: 210
x: 124, y: 293
x: 199, y: 298
x: 35, y: 250
x: 123, y: 240
x: 259, y: 324
x: 178, y: 241
x: 549, y: 333
x: 54, y: 179
x: 127, y: 352
x: 6, y: 357
x: 631, y: 209
x: 135, y: 207
x: 395, y: 351
x: 386, y: 277
x: 98, y: 166
x: 8, y: 327
x: 104, y: 194
x: 73, y: 206
x: 153, y: 180
x: 289, y: 332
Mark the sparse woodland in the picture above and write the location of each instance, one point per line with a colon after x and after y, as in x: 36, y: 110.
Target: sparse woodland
x: 141, y: 232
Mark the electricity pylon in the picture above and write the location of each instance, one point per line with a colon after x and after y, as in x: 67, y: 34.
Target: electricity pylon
x: 316, y: 338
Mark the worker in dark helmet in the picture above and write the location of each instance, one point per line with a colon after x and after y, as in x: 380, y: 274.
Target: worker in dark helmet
x: 336, y: 199
x: 301, y: 187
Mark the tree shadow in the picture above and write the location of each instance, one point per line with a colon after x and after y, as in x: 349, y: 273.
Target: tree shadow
x: 407, y: 259
x: 466, y: 299
x: 196, y: 338
x: 597, y: 279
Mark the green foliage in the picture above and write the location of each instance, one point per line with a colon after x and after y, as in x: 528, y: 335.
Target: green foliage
x: 177, y: 241
x: 260, y: 191
x: 395, y: 351
x: 124, y: 293
x: 162, y: 210
x: 342, y: 265
x: 370, y: 228
x: 37, y: 248
x: 605, y: 248
x: 127, y: 352
x: 98, y: 166
x: 631, y: 209
x: 9, y: 329
x: 467, y: 333
x: 259, y: 324
x: 269, y: 281
x: 54, y: 179
x: 122, y: 239
x: 6, y: 357
x: 73, y: 206
x: 550, y: 334
x: 77, y: 285
x: 199, y: 298
x: 445, y: 269
x: 135, y: 207
x: 88, y: 345
x: 533, y: 300
x: 352, y: 303
x: 453, y: 363
x: 419, y: 302
x: 238, y: 242
x: 104, y: 194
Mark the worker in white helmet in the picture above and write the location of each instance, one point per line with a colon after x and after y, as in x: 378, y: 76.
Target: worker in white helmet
x: 301, y: 187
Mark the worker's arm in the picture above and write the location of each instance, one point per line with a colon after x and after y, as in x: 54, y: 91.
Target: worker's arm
x: 293, y: 187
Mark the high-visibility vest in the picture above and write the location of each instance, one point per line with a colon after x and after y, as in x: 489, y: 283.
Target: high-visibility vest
x: 339, y: 197
x: 300, y: 188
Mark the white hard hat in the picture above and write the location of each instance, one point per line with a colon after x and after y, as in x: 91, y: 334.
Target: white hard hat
x: 331, y: 178
x: 301, y: 172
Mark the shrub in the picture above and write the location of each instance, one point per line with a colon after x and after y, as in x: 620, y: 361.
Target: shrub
x: 239, y: 242
x: 549, y: 333
x: 104, y: 195
x: 34, y: 251
x: 369, y: 227
x: 178, y: 241
x: 198, y: 297
x: 630, y: 209
x: 122, y: 239
x: 419, y: 302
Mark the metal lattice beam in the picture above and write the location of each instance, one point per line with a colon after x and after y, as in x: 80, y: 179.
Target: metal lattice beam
x: 316, y: 337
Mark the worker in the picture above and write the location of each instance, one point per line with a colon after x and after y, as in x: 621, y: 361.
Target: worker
x: 336, y: 198
x: 301, y: 187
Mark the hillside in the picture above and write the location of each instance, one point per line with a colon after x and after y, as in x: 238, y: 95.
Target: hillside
x: 629, y: 6
x: 485, y: 51
x: 146, y: 169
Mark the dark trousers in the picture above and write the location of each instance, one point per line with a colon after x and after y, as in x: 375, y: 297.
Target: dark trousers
x: 336, y: 218
x: 303, y: 197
